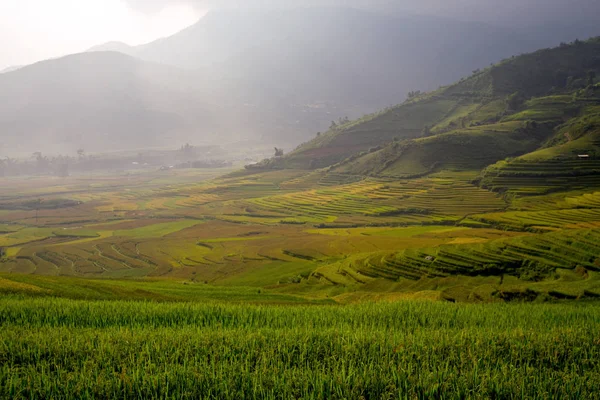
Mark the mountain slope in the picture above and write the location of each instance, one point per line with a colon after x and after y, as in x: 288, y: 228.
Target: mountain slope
x: 280, y: 75
x: 11, y: 69
x: 570, y: 160
x: 96, y: 100
x: 474, y: 122
x: 107, y: 101
x: 113, y: 46
x: 324, y: 56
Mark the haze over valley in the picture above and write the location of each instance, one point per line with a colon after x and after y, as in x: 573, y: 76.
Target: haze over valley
x: 274, y: 76
x: 300, y: 199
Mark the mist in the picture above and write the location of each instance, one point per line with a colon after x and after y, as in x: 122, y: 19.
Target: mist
x: 266, y: 72
x: 508, y: 12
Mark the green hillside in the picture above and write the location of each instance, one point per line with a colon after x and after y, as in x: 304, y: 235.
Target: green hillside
x: 403, y: 122
x: 570, y: 160
x: 540, y: 123
x: 507, y: 110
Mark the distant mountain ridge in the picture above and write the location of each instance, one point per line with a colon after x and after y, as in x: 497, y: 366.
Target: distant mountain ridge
x: 113, y: 46
x: 11, y: 69
x: 326, y: 53
x: 107, y: 101
x: 98, y: 101
x: 279, y: 75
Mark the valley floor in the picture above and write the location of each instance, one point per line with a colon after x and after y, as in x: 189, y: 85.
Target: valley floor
x: 284, y: 284
x: 305, y: 234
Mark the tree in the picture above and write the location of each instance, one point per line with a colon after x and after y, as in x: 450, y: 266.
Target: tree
x: 42, y: 162
x: 81, y: 153
x: 591, y: 78
x: 413, y: 94
x: 278, y: 152
x: 561, y: 78
x: 187, y: 150
x: 2, y: 252
x: 531, y: 125
x: 10, y: 165
x: 333, y: 125
x: 575, y: 83
x: 318, y: 134
x: 38, y: 204
x: 514, y: 101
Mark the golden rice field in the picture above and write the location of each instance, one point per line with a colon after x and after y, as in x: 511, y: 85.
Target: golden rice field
x: 314, y: 234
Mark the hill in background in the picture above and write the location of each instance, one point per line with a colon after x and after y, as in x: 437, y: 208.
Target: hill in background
x: 100, y: 101
x: 506, y: 110
x: 10, y: 69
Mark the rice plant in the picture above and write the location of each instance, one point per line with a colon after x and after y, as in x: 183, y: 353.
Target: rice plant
x: 56, y: 348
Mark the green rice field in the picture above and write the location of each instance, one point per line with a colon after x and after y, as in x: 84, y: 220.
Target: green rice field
x: 444, y: 248
x: 313, y: 234
x: 56, y: 348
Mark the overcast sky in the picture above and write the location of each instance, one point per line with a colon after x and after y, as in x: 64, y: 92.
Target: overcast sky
x: 33, y: 30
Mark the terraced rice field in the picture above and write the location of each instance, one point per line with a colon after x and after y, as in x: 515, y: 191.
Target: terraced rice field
x: 537, y: 254
x: 541, y: 177
x: 316, y: 234
x: 404, y: 201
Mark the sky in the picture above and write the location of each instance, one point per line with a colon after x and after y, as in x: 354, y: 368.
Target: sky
x: 33, y: 30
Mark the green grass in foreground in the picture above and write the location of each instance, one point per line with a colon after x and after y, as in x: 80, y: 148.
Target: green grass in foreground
x: 57, y: 348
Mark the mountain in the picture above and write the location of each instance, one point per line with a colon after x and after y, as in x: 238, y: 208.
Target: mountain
x: 507, y: 110
x: 11, y: 69
x: 276, y: 75
x: 344, y: 61
x: 113, y: 46
x: 326, y: 54
x: 100, y: 101
x: 107, y: 101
